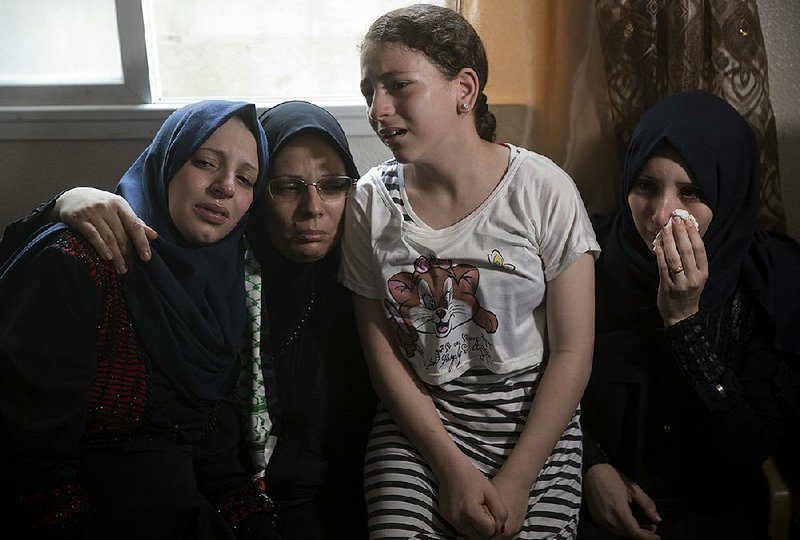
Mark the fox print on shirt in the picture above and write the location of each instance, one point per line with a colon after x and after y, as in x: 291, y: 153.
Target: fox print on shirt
x: 436, y: 298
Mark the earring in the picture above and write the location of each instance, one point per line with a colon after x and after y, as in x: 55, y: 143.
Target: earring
x: 464, y: 107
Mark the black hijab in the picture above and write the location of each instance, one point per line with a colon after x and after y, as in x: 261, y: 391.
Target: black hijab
x: 285, y: 120
x: 188, y: 301
x: 281, y: 123
x: 722, y: 158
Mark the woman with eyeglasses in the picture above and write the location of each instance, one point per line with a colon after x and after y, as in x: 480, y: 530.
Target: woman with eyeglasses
x: 318, y: 394
x: 306, y: 397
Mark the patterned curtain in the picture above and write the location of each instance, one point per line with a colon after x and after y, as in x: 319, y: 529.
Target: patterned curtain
x: 654, y: 48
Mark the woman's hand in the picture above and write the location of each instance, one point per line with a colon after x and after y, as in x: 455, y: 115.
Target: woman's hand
x: 683, y: 271
x: 611, y: 498
x: 109, y: 224
x: 469, y: 501
x: 515, y: 493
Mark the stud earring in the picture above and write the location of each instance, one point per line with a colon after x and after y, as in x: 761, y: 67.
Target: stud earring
x: 464, y: 107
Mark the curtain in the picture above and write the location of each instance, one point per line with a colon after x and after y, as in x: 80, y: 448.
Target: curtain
x: 547, y: 87
x: 584, y: 71
x: 654, y: 48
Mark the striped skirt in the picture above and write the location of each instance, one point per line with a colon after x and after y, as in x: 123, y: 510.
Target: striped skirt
x: 484, y: 413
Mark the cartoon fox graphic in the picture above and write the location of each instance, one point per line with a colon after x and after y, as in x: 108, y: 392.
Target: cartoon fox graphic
x: 437, y: 297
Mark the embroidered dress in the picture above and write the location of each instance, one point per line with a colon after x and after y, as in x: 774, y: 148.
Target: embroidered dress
x: 128, y: 446
x: 465, y: 305
x: 116, y: 417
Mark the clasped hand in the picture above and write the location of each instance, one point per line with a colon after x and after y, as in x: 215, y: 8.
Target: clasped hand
x: 481, y: 508
x: 470, y: 503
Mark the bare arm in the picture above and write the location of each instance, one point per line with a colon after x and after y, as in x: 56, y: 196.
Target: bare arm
x: 107, y: 222
x: 570, y: 330
x: 466, y: 497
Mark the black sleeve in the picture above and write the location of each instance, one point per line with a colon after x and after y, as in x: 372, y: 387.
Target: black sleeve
x: 18, y: 231
x: 48, y: 320
x: 743, y: 406
x: 222, y: 478
x: 593, y: 451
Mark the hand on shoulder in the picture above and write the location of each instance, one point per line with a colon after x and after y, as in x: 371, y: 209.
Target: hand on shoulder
x: 109, y: 224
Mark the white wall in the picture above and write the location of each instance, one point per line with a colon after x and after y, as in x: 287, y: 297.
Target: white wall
x: 36, y: 167
x: 32, y: 170
x: 780, y: 23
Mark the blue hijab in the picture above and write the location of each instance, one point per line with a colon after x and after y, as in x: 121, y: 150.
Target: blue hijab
x: 188, y: 301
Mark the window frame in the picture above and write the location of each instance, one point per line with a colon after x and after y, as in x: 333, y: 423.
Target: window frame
x: 127, y: 121
x: 134, y: 90
x: 120, y: 111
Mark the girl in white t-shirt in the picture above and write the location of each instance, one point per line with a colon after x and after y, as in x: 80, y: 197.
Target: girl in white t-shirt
x: 471, y: 264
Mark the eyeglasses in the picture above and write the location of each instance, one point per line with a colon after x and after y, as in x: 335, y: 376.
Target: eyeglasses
x: 330, y: 188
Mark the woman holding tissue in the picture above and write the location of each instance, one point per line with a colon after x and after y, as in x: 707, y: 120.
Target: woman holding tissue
x: 695, y: 365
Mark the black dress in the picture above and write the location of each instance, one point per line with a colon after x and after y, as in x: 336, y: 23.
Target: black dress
x: 96, y: 442
x: 690, y: 413
x: 319, y: 398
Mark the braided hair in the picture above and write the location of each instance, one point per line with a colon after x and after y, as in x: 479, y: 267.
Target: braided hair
x: 447, y: 40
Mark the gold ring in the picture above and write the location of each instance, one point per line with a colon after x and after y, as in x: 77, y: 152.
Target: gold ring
x: 677, y: 270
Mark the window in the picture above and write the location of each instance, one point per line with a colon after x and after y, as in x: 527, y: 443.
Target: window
x: 265, y: 51
x: 55, y: 64
x: 174, y: 51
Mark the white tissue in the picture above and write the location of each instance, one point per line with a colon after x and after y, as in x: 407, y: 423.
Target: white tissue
x: 681, y: 213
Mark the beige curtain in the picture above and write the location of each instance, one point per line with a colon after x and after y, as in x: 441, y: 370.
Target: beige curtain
x: 585, y: 70
x: 545, y: 57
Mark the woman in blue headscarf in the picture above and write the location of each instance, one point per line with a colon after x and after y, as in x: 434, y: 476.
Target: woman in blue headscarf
x: 306, y: 398
x: 115, y: 409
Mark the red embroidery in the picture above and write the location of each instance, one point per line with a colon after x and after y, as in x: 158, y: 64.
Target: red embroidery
x: 118, y: 395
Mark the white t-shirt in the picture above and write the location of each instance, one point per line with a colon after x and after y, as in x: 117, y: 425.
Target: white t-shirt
x: 469, y: 296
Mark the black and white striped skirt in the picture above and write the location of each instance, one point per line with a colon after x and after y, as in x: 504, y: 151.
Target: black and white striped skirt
x: 484, y: 413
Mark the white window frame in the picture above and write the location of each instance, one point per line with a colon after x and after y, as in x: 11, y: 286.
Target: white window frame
x: 116, y: 112
x: 124, y: 122
x: 134, y: 90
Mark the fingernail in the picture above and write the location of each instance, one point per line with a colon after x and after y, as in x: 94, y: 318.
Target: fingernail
x: 146, y: 255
